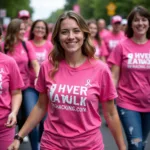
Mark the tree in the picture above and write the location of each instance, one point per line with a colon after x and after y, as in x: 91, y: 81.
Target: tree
x: 54, y: 16
x: 97, y: 8
x: 69, y: 4
x: 124, y: 7
x: 13, y: 6
x: 87, y: 8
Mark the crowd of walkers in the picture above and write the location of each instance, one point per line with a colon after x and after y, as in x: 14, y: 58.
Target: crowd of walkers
x: 53, y: 78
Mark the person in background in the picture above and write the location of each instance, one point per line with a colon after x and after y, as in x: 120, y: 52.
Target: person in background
x: 109, y: 27
x: 72, y: 104
x: 10, y: 99
x: 25, y: 59
x: 38, y: 37
x: 42, y: 46
x: 102, y: 28
x: 4, y: 29
x: 131, y: 73
x: 113, y: 37
x: 100, y: 48
x: 24, y: 15
x: 50, y: 27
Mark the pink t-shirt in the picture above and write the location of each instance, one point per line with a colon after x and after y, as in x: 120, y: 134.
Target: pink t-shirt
x: 49, y: 36
x: 134, y: 82
x: 111, y: 40
x: 103, y: 33
x: 42, y: 53
x: 10, y: 79
x: 22, y: 59
x: 100, y: 50
x: 74, y: 97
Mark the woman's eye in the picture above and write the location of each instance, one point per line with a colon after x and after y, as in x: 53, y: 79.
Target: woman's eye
x: 144, y: 19
x: 64, y: 32
x: 77, y: 31
x: 135, y: 20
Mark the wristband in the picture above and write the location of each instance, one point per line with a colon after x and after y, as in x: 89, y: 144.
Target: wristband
x: 19, y: 138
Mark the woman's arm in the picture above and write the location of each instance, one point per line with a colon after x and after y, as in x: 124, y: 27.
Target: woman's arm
x: 15, y: 105
x: 113, y: 121
x: 115, y: 74
x: 34, y: 118
x: 36, y: 67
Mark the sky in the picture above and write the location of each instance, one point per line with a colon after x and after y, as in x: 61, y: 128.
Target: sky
x: 43, y: 8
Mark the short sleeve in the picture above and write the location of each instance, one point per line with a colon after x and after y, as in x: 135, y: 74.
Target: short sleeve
x: 41, y: 84
x: 107, y: 90
x: 116, y: 56
x: 31, y: 51
x: 16, y: 81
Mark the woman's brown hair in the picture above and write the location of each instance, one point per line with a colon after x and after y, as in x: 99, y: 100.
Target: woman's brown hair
x: 12, y: 30
x: 142, y: 12
x: 58, y: 53
x: 31, y: 35
x: 97, y: 37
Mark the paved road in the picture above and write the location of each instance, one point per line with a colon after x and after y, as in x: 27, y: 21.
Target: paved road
x: 108, y: 140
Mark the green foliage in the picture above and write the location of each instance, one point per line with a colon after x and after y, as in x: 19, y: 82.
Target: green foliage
x: 86, y: 8
x: 69, y: 4
x: 100, y: 10
x: 54, y: 16
x: 97, y: 8
x: 124, y: 7
x: 13, y: 6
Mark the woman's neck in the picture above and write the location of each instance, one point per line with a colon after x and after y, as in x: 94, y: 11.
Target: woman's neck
x: 75, y: 61
x: 39, y: 41
x: 17, y: 41
x: 140, y: 39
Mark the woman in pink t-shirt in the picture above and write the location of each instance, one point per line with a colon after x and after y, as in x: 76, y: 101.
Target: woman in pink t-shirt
x: 100, y: 47
x: 131, y: 71
x: 38, y: 38
x: 71, y: 85
x: 24, y: 55
x: 10, y: 99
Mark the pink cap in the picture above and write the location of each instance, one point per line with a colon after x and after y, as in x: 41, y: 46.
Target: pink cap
x: 116, y: 19
x: 23, y: 13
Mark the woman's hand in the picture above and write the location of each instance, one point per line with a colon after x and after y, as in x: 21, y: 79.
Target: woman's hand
x: 12, y: 120
x: 15, y: 145
x: 123, y: 147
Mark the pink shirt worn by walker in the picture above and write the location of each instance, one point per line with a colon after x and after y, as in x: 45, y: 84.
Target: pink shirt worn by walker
x: 22, y: 59
x: 73, y: 118
x: 111, y: 40
x: 100, y: 50
x: 10, y: 79
x: 134, y: 82
x: 41, y: 53
x: 103, y: 33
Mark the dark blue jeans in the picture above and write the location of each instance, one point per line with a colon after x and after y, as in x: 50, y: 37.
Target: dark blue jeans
x: 136, y: 126
x: 30, y: 98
